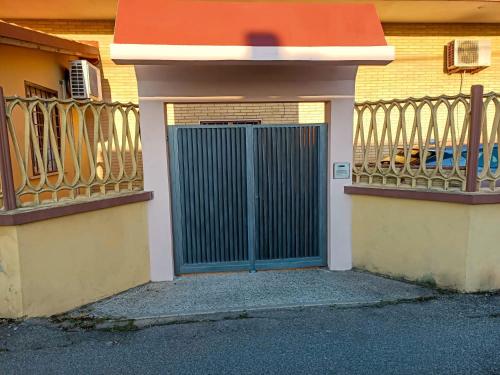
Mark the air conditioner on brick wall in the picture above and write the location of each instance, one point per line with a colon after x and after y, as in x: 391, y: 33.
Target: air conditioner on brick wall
x: 85, y: 80
x: 468, y: 55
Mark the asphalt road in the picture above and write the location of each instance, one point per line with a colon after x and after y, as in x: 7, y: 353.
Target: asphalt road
x: 450, y: 335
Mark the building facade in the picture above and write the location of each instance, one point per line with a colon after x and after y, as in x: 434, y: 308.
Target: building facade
x: 314, y: 87
x: 418, y: 32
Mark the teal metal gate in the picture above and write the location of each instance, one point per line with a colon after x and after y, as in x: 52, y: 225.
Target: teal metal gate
x: 248, y: 196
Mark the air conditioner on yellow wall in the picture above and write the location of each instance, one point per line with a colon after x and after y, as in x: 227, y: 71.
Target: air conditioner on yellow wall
x: 468, y: 55
x: 85, y: 80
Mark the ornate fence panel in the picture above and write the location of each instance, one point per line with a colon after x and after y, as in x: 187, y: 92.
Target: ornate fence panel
x: 424, y: 143
x: 63, y: 150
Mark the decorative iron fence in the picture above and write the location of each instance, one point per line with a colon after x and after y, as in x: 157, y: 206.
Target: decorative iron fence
x: 446, y: 143
x: 66, y: 150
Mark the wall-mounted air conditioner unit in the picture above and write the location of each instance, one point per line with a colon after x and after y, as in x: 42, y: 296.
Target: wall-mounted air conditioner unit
x: 85, y: 80
x: 468, y: 55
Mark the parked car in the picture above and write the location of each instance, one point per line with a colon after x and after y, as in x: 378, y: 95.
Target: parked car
x: 400, y: 157
x: 447, y: 162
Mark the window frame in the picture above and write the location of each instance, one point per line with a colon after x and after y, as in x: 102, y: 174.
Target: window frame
x: 231, y: 122
x: 35, y: 90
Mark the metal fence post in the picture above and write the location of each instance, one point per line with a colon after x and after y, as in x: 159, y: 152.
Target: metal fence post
x: 476, y: 119
x: 9, y: 194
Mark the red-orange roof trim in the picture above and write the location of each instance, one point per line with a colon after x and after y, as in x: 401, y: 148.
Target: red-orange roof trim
x: 225, y: 23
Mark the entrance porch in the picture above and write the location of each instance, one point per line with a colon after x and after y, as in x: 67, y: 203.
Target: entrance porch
x: 284, y: 53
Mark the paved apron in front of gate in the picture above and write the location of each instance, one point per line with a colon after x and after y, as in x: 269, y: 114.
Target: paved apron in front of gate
x: 248, y: 196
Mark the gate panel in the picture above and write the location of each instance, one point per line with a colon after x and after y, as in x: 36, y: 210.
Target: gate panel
x: 290, y: 180
x: 248, y: 196
x: 210, y: 208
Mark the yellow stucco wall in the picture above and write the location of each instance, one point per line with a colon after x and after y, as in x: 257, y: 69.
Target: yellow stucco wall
x: 119, y: 82
x: 451, y: 245
x: 483, y: 259
x: 26, y: 64
x: 10, y: 276
x: 71, y: 261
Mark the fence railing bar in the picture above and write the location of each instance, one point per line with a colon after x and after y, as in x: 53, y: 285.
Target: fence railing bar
x: 422, y: 99
x: 9, y: 194
x: 474, y: 139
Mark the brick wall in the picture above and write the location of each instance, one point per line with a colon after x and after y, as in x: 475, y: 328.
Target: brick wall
x: 418, y: 69
x: 267, y: 113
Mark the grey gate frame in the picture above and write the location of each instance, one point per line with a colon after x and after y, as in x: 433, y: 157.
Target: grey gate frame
x: 248, y: 197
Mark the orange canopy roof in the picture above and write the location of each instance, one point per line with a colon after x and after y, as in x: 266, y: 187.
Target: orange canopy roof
x: 223, y: 23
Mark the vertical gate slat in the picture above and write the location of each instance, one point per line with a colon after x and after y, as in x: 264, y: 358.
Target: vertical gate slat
x: 288, y: 193
x: 185, y: 190
x: 232, y: 218
x: 191, y: 242
x: 209, y: 224
x: 215, y: 187
x: 284, y: 192
x: 236, y: 192
x: 303, y: 177
x: 216, y: 213
x: 240, y: 183
x: 237, y: 195
x: 315, y: 193
x: 279, y: 195
x: 263, y: 196
x: 300, y: 192
x: 269, y: 212
x: 296, y: 186
x: 203, y: 202
x: 310, y: 250
x: 274, y: 176
x: 196, y: 182
x: 312, y: 148
x: 225, y: 184
x: 258, y: 206
x: 235, y: 249
x: 219, y: 197
x: 243, y: 174
x: 243, y: 170
x: 177, y: 212
x: 269, y: 188
x: 228, y: 197
x: 203, y: 188
x: 250, y: 186
x: 236, y: 188
x: 307, y: 184
x: 307, y: 195
x: 200, y: 192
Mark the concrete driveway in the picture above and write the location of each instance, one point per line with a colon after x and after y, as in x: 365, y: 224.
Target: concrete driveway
x: 203, y: 296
